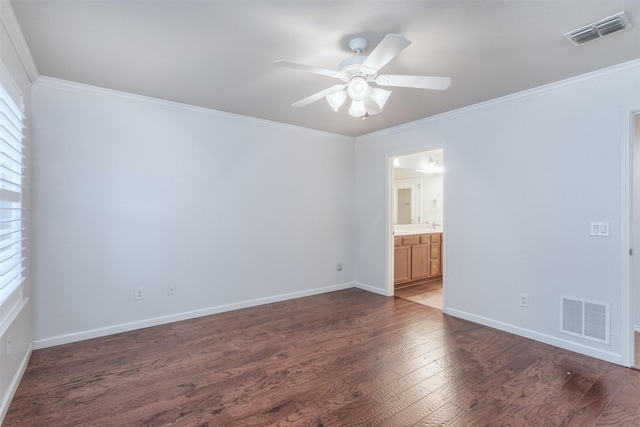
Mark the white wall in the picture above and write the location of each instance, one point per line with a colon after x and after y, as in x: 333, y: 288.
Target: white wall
x: 525, y: 176
x: 432, y: 189
x: 636, y: 222
x: 16, y: 311
x: 133, y: 192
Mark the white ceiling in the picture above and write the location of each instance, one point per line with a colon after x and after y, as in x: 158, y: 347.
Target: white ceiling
x: 219, y: 54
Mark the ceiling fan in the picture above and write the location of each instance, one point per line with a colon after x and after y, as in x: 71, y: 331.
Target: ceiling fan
x: 359, y: 71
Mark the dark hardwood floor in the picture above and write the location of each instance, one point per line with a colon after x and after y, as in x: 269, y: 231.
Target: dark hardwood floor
x: 347, y: 358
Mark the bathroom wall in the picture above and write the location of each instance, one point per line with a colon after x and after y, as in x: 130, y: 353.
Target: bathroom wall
x: 432, y: 187
x: 432, y: 198
x: 411, y: 165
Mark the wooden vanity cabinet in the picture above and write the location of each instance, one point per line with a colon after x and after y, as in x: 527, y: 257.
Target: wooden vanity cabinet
x: 420, y: 261
x: 435, y: 255
x: 417, y: 257
x: 401, y: 261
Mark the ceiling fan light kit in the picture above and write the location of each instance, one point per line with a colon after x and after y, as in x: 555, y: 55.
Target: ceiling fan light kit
x: 380, y: 96
x: 336, y: 99
x: 359, y: 71
x: 358, y: 89
x: 357, y: 109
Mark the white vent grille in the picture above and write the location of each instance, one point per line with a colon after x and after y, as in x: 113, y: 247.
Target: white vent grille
x: 572, y: 316
x: 595, y: 321
x: 599, y: 29
x: 585, y: 319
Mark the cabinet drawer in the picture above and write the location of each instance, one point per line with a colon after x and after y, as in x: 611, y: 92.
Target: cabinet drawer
x: 410, y: 240
x: 397, y: 241
x: 434, y: 253
x: 431, y: 238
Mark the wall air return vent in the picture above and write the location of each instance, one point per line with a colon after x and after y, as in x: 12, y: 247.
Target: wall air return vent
x: 585, y: 319
x: 599, y: 29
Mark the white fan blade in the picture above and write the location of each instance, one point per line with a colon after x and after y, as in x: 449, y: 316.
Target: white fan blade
x: 420, y: 82
x: 390, y: 46
x: 316, y: 96
x: 309, y: 68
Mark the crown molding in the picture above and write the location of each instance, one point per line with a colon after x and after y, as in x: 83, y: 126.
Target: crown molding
x: 10, y: 22
x: 604, y: 73
x: 60, y: 84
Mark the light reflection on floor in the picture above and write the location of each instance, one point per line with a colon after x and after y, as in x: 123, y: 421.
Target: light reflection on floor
x: 429, y: 294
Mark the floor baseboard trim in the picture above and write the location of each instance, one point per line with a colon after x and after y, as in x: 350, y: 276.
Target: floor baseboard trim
x: 370, y: 288
x: 15, y: 382
x: 161, y: 320
x: 537, y: 336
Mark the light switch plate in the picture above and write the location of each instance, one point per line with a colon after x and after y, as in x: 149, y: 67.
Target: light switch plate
x: 600, y: 228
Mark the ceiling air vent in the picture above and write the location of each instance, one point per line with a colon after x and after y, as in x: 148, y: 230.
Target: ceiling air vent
x: 598, y: 29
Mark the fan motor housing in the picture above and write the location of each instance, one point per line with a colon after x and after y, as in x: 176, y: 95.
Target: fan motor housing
x: 352, y: 67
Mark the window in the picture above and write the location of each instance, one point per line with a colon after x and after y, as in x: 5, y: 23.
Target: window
x: 11, y: 209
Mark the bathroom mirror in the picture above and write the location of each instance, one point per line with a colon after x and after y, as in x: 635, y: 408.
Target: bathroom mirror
x: 407, y: 201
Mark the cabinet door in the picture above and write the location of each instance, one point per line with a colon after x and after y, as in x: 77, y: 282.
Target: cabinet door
x: 401, y: 264
x: 419, y: 261
x: 435, y: 259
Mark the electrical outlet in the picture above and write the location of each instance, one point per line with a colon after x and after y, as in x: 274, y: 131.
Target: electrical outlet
x: 171, y: 290
x: 524, y: 300
x: 7, y: 351
x: 339, y: 266
x: 138, y: 294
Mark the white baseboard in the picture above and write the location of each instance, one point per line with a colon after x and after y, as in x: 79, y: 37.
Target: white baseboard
x: 636, y: 328
x: 370, y: 288
x: 15, y: 382
x: 537, y: 336
x: 139, y: 324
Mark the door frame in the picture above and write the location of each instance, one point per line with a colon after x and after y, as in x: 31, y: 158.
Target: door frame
x: 390, y: 289
x: 627, y: 226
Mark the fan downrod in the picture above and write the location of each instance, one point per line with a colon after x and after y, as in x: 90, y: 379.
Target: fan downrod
x: 358, y: 45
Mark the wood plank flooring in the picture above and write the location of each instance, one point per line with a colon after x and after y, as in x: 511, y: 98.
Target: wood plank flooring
x: 347, y: 358
x: 429, y: 294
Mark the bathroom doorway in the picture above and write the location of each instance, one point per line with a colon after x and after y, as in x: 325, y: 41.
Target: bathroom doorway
x: 417, y: 207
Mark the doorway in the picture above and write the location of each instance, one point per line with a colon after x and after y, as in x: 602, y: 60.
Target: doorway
x: 417, y: 212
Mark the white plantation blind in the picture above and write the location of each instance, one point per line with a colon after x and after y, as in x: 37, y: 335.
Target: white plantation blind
x: 11, y: 210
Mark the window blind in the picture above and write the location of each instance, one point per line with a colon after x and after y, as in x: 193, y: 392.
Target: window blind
x: 11, y: 182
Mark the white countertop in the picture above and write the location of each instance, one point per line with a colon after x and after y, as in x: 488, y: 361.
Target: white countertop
x: 404, y: 230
